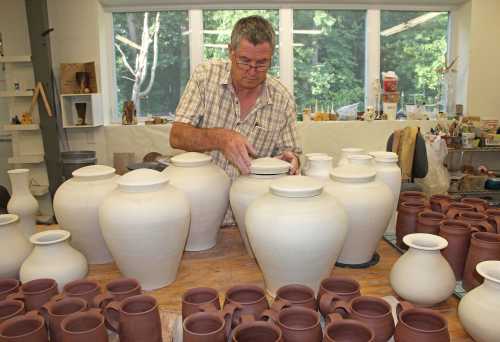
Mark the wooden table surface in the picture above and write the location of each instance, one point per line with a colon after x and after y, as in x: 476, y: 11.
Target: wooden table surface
x: 228, y: 264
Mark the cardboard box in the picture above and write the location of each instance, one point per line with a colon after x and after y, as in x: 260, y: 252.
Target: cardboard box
x: 68, y: 71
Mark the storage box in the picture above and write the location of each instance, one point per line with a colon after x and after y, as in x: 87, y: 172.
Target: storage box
x: 69, y: 85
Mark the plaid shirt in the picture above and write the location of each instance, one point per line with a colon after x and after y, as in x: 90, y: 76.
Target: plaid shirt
x: 209, y: 101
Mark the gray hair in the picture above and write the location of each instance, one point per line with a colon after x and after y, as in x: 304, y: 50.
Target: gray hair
x: 255, y: 29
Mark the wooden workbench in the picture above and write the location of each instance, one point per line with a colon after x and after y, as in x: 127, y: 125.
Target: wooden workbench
x: 228, y: 264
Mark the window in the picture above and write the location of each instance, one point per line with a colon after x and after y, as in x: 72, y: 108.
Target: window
x: 329, y: 58
x: 217, y: 27
x: 155, y: 88
x: 414, y: 45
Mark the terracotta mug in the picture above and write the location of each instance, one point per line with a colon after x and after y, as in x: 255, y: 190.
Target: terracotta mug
x: 406, y: 196
x: 479, y: 204
x: 35, y: 293
x: 477, y: 220
x: 374, y: 312
x: 57, y: 310
x: 494, y: 218
x: 117, y: 290
x: 429, y: 222
x: 407, y: 220
x: 297, y: 323
x: 135, y: 319
x: 10, y: 308
x: 483, y: 246
x: 336, y: 288
x: 420, y: 325
x: 294, y: 295
x: 205, y: 327
x: 458, y: 234
x: 339, y: 329
x: 84, y: 327
x: 440, y: 203
x: 199, y: 299
x: 251, y: 330
x: 250, y: 300
x: 82, y: 288
x: 8, y: 286
x: 456, y: 208
x: 26, y: 328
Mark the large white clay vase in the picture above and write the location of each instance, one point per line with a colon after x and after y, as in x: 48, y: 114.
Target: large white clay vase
x: 14, y: 247
x: 22, y: 203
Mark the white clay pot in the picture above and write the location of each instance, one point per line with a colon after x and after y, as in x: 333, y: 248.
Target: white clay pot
x: 422, y: 275
x: 319, y: 167
x: 479, y: 309
x: 349, y: 151
x: 14, y: 247
x: 246, y: 189
x: 76, y: 206
x: 307, y: 156
x: 207, y: 187
x: 145, y: 223
x: 296, y: 232
x: 53, y: 257
x: 22, y: 203
x: 368, y: 203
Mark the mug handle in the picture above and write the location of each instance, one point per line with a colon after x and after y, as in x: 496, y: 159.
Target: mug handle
x: 269, y: 315
x: 342, y: 305
x: 402, y: 306
x: 111, y: 312
x: 34, y: 313
x: 495, y: 220
x: 102, y: 300
x: 326, y: 302
x: 280, y: 304
x: 17, y: 296
x: 227, y: 314
x: 452, y: 213
x: 443, y: 204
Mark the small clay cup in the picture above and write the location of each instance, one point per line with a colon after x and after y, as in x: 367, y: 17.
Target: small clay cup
x: 406, y: 196
x: 407, y: 220
x: 82, y: 288
x: 336, y: 288
x: 8, y: 286
x: 440, y: 203
x: 494, y: 218
x: 346, y: 330
x: 297, y: 323
x: 206, y: 327
x: 478, y: 220
x: 10, y: 308
x: 458, y: 234
x: 251, y: 330
x: 57, y: 310
x: 420, y: 325
x: 429, y: 222
x: 26, y: 328
x: 294, y: 295
x: 117, y: 290
x: 479, y: 204
x: 199, y: 299
x: 35, y: 293
x: 483, y: 246
x: 456, y: 208
x: 250, y: 300
x: 87, y: 326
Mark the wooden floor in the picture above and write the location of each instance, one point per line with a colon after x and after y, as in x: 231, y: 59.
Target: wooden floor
x: 228, y: 264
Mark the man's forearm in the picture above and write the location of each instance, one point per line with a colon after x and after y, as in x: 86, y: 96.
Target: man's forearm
x: 189, y: 138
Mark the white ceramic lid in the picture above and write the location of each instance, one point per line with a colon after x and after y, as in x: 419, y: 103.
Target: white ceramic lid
x: 296, y: 186
x: 353, y: 173
x: 93, y: 171
x: 191, y: 159
x: 321, y: 157
x: 142, y: 177
x: 383, y: 156
x: 269, y: 166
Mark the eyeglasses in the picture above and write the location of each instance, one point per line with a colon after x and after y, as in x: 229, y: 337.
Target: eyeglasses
x: 259, y: 66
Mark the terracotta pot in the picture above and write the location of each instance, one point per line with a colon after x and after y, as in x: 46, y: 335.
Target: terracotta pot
x: 297, y: 324
x: 374, y: 312
x: 411, y: 196
x: 22, y: 203
x: 456, y: 208
x: 10, y: 308
x: 246, y: 189
x: 348, y: 151
x: 135, y: 319
x: 440, y: 203
x: 14, y: 247
x: 319, y: 167
x: 25, y: 328
x: 479, y: 204
x: 205, y: 327
x: 35, y: 293
x: 57, y: 310
x: 251, y: 331
x: 194, y: 299
x: 53, y: 257
x: 336, y: 288
x: 289, y: 253
x: 458, y: 234
x: 294, y: 295
x: 429, y: 222
x: 250, y: 299
x: 480, y: 308
x: 483, y: 246
x: 8, y: 286
x: 207, y: 187
x: 84, y: 327
x: 422, y: 275
x: 85, y: 289
x: 407, y: 220
x: 477, y: 220
x: 339, y: 329
x: 420, y: 325
x: 494, y: 218
x: 118, y: 290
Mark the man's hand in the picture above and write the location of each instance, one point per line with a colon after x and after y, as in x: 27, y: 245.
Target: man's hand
x: 292, y: 159
x: 236, y: 149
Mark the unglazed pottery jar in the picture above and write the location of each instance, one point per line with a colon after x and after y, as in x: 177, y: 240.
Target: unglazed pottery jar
x: 145, y: 224
x: 348, y: 151
x: 479, y: 204
x: 458, y: 234
x: 479, y: 309
x: 207, y: 187
x: 308, y: 230
x: 26, y: 328
x: 406, y: 222
x: 429, y: 222
x: 319, y: 167
x: 422, y: 275
x: 246, y: 189
x: 455, y: 208
x: 14, y: 247
x: 368, y: 203
x: 483, y: 247
x: 477, y: 220
x: 22, y: 203
x: 53, y: 257
x: 494, y: 218
x: 420, y: 325
x: 305, y: 163
x: 76, y: 206
x: 406, y: 196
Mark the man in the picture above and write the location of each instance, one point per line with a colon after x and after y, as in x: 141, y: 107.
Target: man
x: 234, y: 109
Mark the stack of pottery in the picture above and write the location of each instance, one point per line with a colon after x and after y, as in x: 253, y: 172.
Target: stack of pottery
x: 458, y: 234
x: 296, y: 232
x: 207, y: 187
x: 14, y: 247
x: 483, y: 247
x: 22, y: 203
x: 369, y: 206
x: 318, y: 166
x: 76, y: 206
x: 246, y: 189
x: 349, y: 151
x: 145, y: 223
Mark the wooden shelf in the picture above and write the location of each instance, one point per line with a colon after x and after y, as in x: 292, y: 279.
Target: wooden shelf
x: 30, y: 127
x: 28, y: 159
x: 13, y: 93
x: 475, y: 149
x: 79, y: 94
x: 15, y: 59
x: 83, y: 126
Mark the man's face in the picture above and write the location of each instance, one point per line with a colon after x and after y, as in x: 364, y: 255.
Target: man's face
x: 250, y: 64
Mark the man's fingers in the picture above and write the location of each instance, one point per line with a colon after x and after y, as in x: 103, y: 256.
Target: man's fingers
x: 250, y: 149
x: 244, y: 155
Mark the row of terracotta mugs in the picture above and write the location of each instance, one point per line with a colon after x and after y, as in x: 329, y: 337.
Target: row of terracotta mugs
x: 82, y: 312
x: 246, y: 316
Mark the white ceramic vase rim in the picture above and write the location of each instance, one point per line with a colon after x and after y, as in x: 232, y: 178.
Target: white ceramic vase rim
x: 6, y: 219
x: 425, y: 242
x: 490, y: 270
x: 385, y: 157
x: 18, y: 171
x: 353, y: 173
x: 296, y: 187
x: 93, y: 171
x: 50, y: 237
x: 191, y: 159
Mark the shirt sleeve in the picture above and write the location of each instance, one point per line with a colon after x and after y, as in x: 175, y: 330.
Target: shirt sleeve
x: 288, y: 139
x: 191, y: 105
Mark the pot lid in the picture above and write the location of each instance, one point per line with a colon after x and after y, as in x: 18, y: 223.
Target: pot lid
x: 383, y: 156
x: 296, y: 186
x: 362, y: 159
x: 269, y: 166
x: 93, y: 171
x: 142, y: 177
x: 324, y: 157
x: 353, y: 173
x: 191, y: 159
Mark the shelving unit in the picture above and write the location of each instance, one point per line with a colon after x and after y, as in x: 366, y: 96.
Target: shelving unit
x: 93, y: 117
x: 15, y: 93
x: 15, y: 59
x: 26, y: 159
